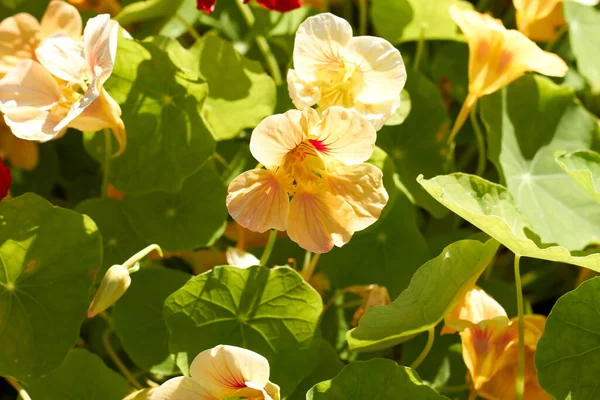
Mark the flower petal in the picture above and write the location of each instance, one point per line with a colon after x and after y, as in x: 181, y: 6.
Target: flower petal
x: 279, y: 5
x: 382, y: 70
x: 62, y: 57
x: 319, y: 220
x: 277, y: 135
x: 223, y: 370
x: 532, y: 57
x: 258, y: 200
x: 180, y: 388
x: 18, y: 38
x: 345, y: 135
x: 476, y: 306
x: 378, y: 113
x: 60, y: 16
x: 361, y: 186
x: 240, y: 258
x: 100, y: 47
x: 21, y: 153
x: 303, y: 94
x: 32, y: 123
x: 319, y: 46
x: 28, y: 85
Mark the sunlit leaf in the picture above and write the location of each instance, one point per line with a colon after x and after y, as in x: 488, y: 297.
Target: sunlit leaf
x: 402, y: 112
x: 47, y: 255
x: 491, y: 208
x: 431, y: 294
x: 584, y: 167
x: 170, y: 18
x: 584, y: 36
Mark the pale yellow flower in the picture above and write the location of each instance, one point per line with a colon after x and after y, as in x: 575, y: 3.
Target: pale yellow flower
x: 318, y: 161
x: 21, y: 34
x: 490, y: 346
x: 332, y: 68
x: 220, y: 373
x: 65, y: 88
x: 497, y: 57
x: 539, y: 20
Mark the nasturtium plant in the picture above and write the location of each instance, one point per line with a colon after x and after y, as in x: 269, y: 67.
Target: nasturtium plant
x: 299, y: 199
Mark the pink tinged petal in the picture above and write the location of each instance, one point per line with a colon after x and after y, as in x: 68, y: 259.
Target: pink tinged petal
x: 90, y: 95
x: 319, y: 45
x: 346, y: 135
x: 361, y: 186
x: 100, y: 47
x: 277, y: 135
x: 224, y: 370
x: 18, y: 39
x: 319, y: 220
x: 62, y: 57
x: 60, y: 16
x: 30, y: 123
x: 258, y: 200
x: 382, y: 69
x: 303, y: 94
x: 28, y: 85
x: 181, y: 388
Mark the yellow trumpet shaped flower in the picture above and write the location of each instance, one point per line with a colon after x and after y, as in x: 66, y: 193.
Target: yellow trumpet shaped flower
x: 497, y: 57
x: 64, y: 88
x: 21, y: 34
x: 332, y: 68
x: 539, y: 20
x: 318, y: 161
x: 490, y: 346
x: 220, y: 373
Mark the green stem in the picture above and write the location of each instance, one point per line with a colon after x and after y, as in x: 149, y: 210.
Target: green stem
x: 309, y: 267
x: 420, y: 49
x: 425, y: 352
x: 115, y: 358
x: 22, y: 392
x: 521, y: 360
x: 454, y: 389
x: 190, y: 28
x: 269, y: 247
x: 107, y: 159
x: 263, y: 45
x: 480, y: 142
x: 363, y: 16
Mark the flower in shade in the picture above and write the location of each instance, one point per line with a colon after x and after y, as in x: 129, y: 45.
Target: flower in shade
x: 497, y: 57
x: 5, y: 180
x: 20, y: 153
x: 332, y: 68
x: 64, y: 88
x: 490, y: 346
x: 21, y: 34
x: 318, y: 162
x: 220, y: 373
x: 208, y: 6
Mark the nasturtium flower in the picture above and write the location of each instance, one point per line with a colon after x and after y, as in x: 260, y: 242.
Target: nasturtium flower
x: 5, y: 180
x: 64, y: 88
x: 332, y: 68
x: 539, y: 20
x: 318, y: 162
x: 490, y: 346
x: 497, y: 57
x: 21, y: 33
x: 20, y: 153
x: 208, y: 6
x: 220, y: 373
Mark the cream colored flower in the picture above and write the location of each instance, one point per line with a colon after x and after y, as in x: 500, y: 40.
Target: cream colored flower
x: 318, y: 161
x: 21, y: 34
x: 497, y: 57
x: 220, y: 373
x: 332, y: 68
x: 240, y: 258
x: 39, y: 100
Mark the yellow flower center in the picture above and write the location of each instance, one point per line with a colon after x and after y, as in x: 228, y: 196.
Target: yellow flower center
x: 304, y: 163
x: 345, y: 82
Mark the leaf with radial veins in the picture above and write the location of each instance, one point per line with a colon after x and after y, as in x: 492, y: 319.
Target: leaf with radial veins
x: 491, y: 208
x: 584, y: 167
x: 431, y: 294
x: 568, y: 353
x: 47, y: 255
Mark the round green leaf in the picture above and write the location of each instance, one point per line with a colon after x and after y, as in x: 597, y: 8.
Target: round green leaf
x: 584, y: 36
x: 431, y: 294
x: 374, y: 379
x: 491, y: 208
x: 83, y: 375
x: 568, y: 354
x: 402, y: 112
x: 584, y: 167
x: 272, y: 312
x: 191, y: 218
x: 138, y: 318
x: 47, y: 255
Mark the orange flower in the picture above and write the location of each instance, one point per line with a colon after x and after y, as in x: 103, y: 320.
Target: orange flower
x: 20, y: 153
x: 497, y: 57
x: 100, y: 6
x: 318, y: 161
x: 539, y: 20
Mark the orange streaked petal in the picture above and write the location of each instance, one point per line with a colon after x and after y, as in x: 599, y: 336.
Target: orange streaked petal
x: 258, y: 200
x: 60, y: 16
x: 18, y: 39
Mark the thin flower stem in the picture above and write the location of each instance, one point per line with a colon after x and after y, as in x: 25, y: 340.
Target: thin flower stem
x: 521, y: 360
x: 115, y: 358
x: 107, y: 159
x: 221, y: 160
x: 308, y: 270
x: 454, y: 389
x: 420, y: 49
x: 425, y: 352
x: 269, y: 247
x: 480, y: 142
x: 190, y: 28
x: 22, y: 392
x: 472, y: 395
x: 263, y: 45
x: 363, y: 17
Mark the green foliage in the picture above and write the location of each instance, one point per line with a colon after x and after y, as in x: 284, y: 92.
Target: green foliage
x: 584, y: 37
x: 584, y: 167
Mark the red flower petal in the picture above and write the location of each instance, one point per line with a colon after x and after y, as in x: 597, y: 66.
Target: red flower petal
x: 279, y: 5
x: 207, y: 6
x: 5, y: 180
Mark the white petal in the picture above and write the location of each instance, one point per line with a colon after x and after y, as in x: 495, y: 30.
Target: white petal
x: 303, y: 94
x: 63, y: 57
x: 378, y: 113
x: 28, y: 85
x: 181, y: 388
x: 100, y: 46
x: 90, y: 95
x: 32, y: 123
x: 240, y: 258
